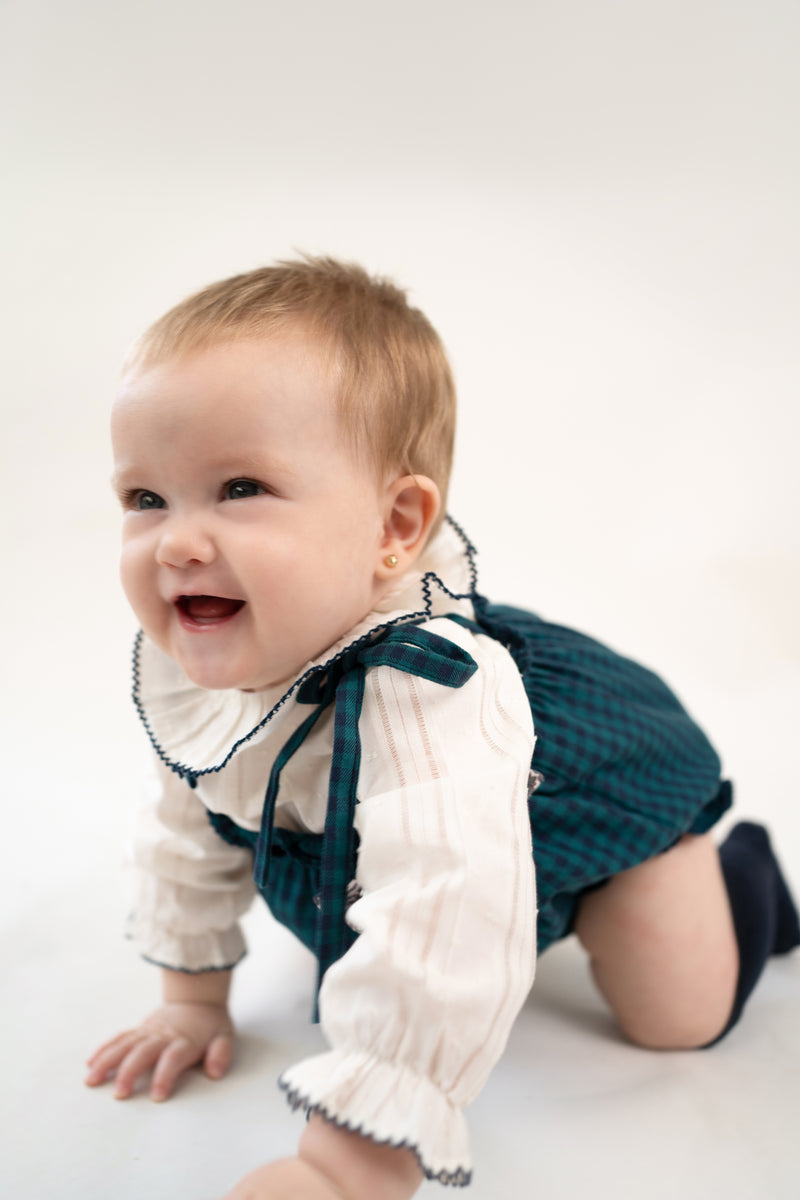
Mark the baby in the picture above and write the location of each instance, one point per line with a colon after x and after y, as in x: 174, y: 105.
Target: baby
x: 343, y: 724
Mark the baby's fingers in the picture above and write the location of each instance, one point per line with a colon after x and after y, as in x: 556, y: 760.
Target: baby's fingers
x: 109, y: 1056
x: 176, y: 1058
x: 141, y: 1058
x: 218, y: 1056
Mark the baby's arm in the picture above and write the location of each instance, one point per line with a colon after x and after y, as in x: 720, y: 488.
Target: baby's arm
x: 190, y: 889
x: 334, y: 1164
x: 418, y: 1010
x: 191, y: 1026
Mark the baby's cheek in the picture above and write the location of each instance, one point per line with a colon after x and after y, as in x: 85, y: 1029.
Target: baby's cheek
x: 137, y: 582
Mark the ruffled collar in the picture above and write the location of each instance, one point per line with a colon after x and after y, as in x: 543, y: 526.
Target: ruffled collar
x: 196, y: 731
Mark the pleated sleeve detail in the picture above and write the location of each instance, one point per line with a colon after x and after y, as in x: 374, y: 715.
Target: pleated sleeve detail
x: 420, y: 1008
x: 191, y: 888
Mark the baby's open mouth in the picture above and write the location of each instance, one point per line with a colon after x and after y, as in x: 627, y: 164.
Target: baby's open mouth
x: 203, y: 609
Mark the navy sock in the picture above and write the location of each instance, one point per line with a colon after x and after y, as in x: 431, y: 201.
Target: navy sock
x: 764, y: 916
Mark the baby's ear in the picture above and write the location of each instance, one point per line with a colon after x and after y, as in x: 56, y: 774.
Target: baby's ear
x: 412, y: 506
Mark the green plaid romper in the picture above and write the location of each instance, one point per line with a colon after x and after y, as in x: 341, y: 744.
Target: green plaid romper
x: 620, y: 772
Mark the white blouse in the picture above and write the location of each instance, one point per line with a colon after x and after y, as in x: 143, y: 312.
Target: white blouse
x: 419, y: 1009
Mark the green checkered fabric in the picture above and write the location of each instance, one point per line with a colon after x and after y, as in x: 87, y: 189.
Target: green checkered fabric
x: 622, y: 772
x: 625, y: 770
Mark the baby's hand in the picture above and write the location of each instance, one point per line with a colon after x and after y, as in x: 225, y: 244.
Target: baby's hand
x: 173, y: 1038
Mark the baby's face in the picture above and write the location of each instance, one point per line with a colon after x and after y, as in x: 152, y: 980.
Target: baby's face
x: 251, y: 534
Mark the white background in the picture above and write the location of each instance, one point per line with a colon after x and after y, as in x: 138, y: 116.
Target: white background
x: 596, y: 204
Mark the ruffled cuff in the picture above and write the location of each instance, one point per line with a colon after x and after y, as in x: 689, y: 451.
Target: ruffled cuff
x: 214, y: 950
x: 387, y: 1103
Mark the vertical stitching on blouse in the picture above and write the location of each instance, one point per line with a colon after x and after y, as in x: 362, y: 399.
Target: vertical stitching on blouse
x: 424, y: 734
x: 485, y: 712
x: 380, y: 701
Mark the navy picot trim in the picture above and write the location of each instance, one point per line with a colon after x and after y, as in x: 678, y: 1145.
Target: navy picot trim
x: 190, y: 970
x: 154, y: 962
x: 458, y: 1178
x: 428, y: 580
x: 186, y: 970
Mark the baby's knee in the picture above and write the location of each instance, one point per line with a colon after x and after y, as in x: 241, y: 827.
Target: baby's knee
x: 671, y: 1030
x: 663, y: 949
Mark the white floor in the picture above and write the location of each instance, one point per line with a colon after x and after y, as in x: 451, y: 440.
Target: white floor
x: 570, y: 1109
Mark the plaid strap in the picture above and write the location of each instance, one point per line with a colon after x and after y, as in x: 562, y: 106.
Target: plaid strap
x: 337, y: 866
x: 405, y: 648
x: 263, y: 847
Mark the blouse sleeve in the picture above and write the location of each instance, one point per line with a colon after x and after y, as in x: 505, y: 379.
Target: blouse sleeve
x: 420, y: 1008
x: 190, y: 886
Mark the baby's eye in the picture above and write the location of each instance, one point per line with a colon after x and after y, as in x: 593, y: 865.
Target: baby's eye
x: 144, y: 501
x: 241, y: 489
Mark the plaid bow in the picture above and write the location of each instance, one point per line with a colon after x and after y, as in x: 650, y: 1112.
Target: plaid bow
x: 341, y: 682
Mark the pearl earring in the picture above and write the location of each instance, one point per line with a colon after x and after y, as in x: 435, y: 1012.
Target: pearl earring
x: 391, y: 560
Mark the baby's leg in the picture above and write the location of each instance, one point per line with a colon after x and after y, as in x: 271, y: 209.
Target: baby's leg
x: 678, y: 943
x: 663, y: 947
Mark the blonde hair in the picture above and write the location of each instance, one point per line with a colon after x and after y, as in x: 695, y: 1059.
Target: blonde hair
x: 396, y: 395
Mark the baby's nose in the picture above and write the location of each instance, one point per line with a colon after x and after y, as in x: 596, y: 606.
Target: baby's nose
x: 184, y: 542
